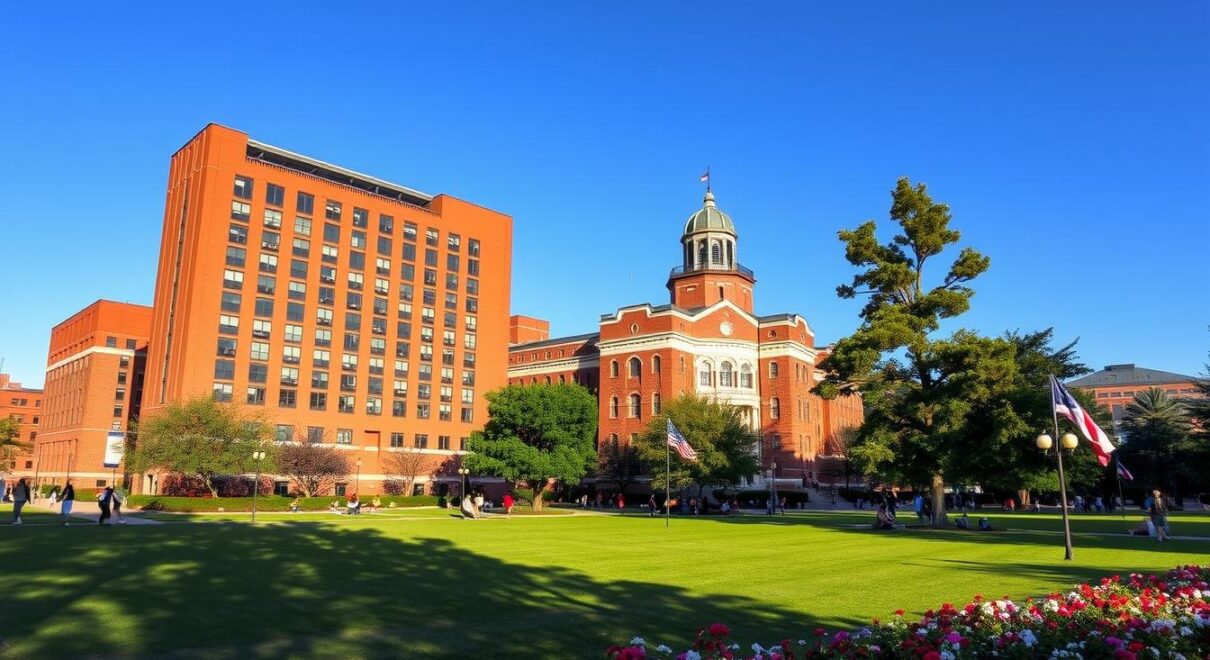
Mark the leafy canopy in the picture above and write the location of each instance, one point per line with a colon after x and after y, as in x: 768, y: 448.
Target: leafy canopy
x: 536, y: 433
x: 725, y: 446
x: 203, y: 438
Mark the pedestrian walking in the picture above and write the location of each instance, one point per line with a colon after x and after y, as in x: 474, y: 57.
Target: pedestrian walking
x: 54, y: 496
x: 69, y: 500
x: 119, y: 498
x: 20, y: 497
x: 918, y: 507
x: 651, y: 505
x: 105, y: 500
x: 1159, y: 515
x: 508, y: 503
x: 781, y: 503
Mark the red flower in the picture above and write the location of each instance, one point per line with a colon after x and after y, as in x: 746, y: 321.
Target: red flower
x: 932, y: 655
x: 820, y: 632
x: 719, y: 630
x: 898, y: 612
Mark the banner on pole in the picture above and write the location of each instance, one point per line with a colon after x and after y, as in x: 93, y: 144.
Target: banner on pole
x: 115, y: 448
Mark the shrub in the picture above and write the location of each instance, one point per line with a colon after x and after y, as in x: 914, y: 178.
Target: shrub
x: 264, y: 503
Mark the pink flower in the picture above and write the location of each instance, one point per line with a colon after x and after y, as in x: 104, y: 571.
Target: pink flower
x: 719, y: 630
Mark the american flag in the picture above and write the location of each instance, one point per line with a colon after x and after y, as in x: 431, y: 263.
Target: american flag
x: 1066, y: 405
x: 1122, y: 471
x: 705, y: 177
x: 679, y: 443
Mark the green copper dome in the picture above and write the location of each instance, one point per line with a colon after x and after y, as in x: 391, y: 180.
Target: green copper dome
x: 709, y: 218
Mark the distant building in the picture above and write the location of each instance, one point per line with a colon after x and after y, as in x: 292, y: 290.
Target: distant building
x: 707, y: 340
x: 94, y: 383
x: 1115, y: 386
x: 24, y: 406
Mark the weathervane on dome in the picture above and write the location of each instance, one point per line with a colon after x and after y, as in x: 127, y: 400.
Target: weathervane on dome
x: 705, y: 178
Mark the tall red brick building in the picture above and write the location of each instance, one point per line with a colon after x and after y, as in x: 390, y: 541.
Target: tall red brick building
x: 354, y: 311
x: 94, y: 384
x: 23, y: 405
x: 707, y: 340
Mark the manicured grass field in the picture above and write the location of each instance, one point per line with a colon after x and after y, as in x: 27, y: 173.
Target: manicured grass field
x: 548, y: 586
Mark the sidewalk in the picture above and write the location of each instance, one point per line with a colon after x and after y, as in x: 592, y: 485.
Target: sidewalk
x: 85, y: 512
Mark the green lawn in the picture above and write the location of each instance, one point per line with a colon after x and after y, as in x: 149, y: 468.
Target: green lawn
x: 550, y: 586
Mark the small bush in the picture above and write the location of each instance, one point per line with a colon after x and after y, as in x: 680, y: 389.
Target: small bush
x: 266, y: 503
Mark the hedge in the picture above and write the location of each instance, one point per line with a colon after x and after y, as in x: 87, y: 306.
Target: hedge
x: 266, y: 503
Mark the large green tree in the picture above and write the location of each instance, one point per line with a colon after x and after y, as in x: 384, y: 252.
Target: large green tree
x: 1159, y: 441
x: 201, y: 437
x: 726, y: 448
x: 10, y: 441
x: 536, y: 434
x: 920, y: 390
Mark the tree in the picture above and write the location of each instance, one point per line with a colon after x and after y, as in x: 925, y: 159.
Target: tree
x: 619, y: 462
x: 10, y: 441
x: 536, y: 434
x: 406, y: 465
x: 725, y: 446
x: 203, y: 438
x: 1157, y: 438
x: 918, y: 406
x: 313, y: 467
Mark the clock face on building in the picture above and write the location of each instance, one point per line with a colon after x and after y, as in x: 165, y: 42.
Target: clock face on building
x: 725, y: 328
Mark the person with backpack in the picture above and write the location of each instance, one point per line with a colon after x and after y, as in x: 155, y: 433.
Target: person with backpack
x: 119, y: 498
x: 1158, y: 510
x: 21, y: 495
x: 104, y: 500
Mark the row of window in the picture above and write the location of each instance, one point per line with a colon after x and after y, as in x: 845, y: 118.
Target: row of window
x: 726, y: 372
x: 1170, y: 390
x: 318, y: 434
x: 112, y: 342
x: 345, y: 403
x: 634, y: 406
x: 304, y: 204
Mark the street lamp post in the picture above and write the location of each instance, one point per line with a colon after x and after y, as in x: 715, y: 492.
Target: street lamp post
x: 357, y: 484
x: 462, y: 494
x: 258, y: 456
x: 1068, y: 441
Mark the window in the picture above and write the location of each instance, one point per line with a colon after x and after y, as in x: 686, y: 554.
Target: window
x: 255, y: 396
x: 268, y: 263
x: 323, y: 316
x: 386, y: 224
x: 431, y: 237
x: 353, y: 321
x: 263, y: 307
x: 382, y: 266
x: 656, y: 363
x: 275, y: 195
x: 228, y: 324
x: 273, y: 218
x: 297, y: 291
x: 745, y: 377
x: 636, y: 405
x: 243, y: 187
x: 346, y: 403
x: 260, y: 351
x: 240, y: 211
x: 236, y: 256
x: 321, y: 358
x: 443, y: 442
x: 258, y: 373
x: 472, y: 287
x: 344, y: 436
x: 319, y: 380
x: 315, y: 434
x: 420, y: 441
x: 373, y: 405
x: 613, y: 407
x: 399, y: 408
x: 353, y: 301
x: 266, y: 284
x: 774, y: 408
x: 237, y: 234
x: 356, y: 281
x: 348, y: 362
x: 233, y: 279
x: 396, y: 440
x: 332, y: 210
x: 304, y: 203
x: 725, y: 375
x: 655, y: 403
x: 329, y: 254
x: 407, y: 272
x: 283, y: 433
x: 295, y: 312
x: 613, y: 368
x: 291, y: 354
x: 323, y: 337
x: 289, y: 376
x: 298, y: 269
x: 357, y: 260
x: 348, y: 382
x: 409, y: 231
x: 226, y: 347
x: 231, y: 302
x: 773, y: 370
x: 327, y: 275
x: 302, y: 226
x: 634, y: 367
x: 319, y: 401
x: 704, y: 376
x: 384, y: 245
x: 221, y: 392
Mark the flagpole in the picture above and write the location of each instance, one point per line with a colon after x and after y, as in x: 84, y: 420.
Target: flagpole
x: 667, y: 483
x: 1118, y: 475
x: 1054, y: 411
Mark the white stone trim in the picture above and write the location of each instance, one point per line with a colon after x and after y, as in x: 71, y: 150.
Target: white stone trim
x: 788, y: 349
x: 617, y: 316
x: 88, y: 351
x: 553, y: 366
x: 673, y: 340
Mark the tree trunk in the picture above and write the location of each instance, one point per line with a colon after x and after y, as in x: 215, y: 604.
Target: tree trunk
x: 940, y: 520
x: 539, y: 488
x: 209, y: 482
x: 1023, y: 496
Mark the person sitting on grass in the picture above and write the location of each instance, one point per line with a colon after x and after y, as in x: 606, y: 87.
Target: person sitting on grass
x: 375, y: 504
x: 886, y: 518
x: 985, y: 525
x: 295, y: 505
x: 963, y: 522
x: 354, y: 505
x: 334, y: 507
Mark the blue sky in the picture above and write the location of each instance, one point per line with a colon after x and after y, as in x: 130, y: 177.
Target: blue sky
x: 1072, y: 141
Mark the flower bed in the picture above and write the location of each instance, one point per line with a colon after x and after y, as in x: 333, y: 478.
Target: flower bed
x: 264, y: 503
x: 1141, y: 616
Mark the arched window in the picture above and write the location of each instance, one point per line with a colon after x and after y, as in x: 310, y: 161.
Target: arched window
x: 548, y: 380
x: 730, y: 254
x: 705, y: 378
x: 745, y: 376
x: 634, y: 367
x: 613, y: 407
x: 636, y: 405
x: 702, y: 254
x: 725, y: 375
x: 682, y: 364
x: 562, y: 379
x: 772, y: 370
x: 655, y: 403
x: 716, y: 253
x: 774, y: 408
x: 613, y: 438
x: 613, y: 368
x: 655, y: 364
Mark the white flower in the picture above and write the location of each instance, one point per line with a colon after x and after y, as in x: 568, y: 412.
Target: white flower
x: 1028, y: 638
x: 922, y: 632
x: 757, y: 648
x: 692, y: 655
x: 734, y: 646
x: 1186, y: 632
x: 803, y: 642
x: 1051, y: 606
x: 664, y: 648
x: 946, y: 655
x: 638, y: 641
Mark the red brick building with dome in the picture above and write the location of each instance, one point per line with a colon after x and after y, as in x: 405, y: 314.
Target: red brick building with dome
x: 706, y: 340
